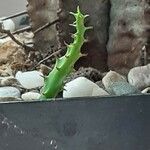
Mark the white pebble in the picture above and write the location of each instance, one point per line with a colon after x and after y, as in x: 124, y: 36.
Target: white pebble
x: 140, y: 76
x: 30, y: 79
x: 8, y: 24
x: 9, y: 92
x: 30, y: 96
x: 112, y: 77
x: 2, y: 41
x: 82, y: 87
x: 97, y: 91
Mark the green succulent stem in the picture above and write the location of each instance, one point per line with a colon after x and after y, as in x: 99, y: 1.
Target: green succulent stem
x: 54, y: 82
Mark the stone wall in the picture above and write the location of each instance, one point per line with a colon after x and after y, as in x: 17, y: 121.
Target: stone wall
x: 128, y: 34
x: 98, y: 10
x: 42, y: 12
x: 121, y: 31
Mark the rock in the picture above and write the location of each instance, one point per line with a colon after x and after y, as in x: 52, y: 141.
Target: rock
x: 129, y: 29
x: 122, y: 88
x: 30, y: 79
x: 140, y: 77
x: 112, y: 77
x: 30, y: 96
x: 11, y: 81
x: 99, y: 92
x: 8, y: 24
x: 5, y: 71
x: 12, y: 57
x: 9, y: 99
x: 146, y: 91
x: 8, y: 81
x: 82, y: 87
x: 9, y: 92
x: 116, y: 84
x: 2, y: 41
x: 25, y: 37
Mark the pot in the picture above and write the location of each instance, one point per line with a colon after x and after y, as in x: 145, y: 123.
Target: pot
x: 89, y: 123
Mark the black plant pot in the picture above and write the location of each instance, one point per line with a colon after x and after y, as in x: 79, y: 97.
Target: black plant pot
x: 110, y: 123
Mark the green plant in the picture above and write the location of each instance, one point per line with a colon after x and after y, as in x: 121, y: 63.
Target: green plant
x: 54, y: 82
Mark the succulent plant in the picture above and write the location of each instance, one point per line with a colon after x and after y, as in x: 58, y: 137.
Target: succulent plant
x: 54, y: 82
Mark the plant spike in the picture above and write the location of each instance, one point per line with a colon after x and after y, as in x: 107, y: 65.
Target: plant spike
x: 54, y: 82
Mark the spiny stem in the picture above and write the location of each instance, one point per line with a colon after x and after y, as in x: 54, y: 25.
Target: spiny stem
x: 54, y: 82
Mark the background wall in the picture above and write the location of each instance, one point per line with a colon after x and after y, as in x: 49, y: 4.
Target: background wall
x: 8, y: 7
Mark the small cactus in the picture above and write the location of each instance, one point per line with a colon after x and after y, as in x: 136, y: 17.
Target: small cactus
x: 54, y: 82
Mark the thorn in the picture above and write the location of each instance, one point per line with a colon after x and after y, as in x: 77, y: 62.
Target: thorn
x: 73, y: 25
x: 88, y: 28
x: 83, y: 55
x: 72, y: 13
x: 66, y: 44
x: 85, y: 16
x: 75, y: 22
x: 86, y: 40
x: 57, y: 61
x: 78, y: 9
x: 58, y: 68
x: 73, y: 35
x: 67, y: 56
x: 70, y: 46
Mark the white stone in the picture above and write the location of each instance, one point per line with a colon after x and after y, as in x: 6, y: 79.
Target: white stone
x: 30, y: 79
x: 140, y: 76
x: 2, y: 41
x: 82, y: 87
x: 117, y: 84
x: 112, y: 77
x: 9, y: 92
x: 30, y: 96
x: 97, y: 91
x: 8, y: 24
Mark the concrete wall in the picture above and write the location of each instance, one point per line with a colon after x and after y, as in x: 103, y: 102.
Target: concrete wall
x: 8, y: 7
